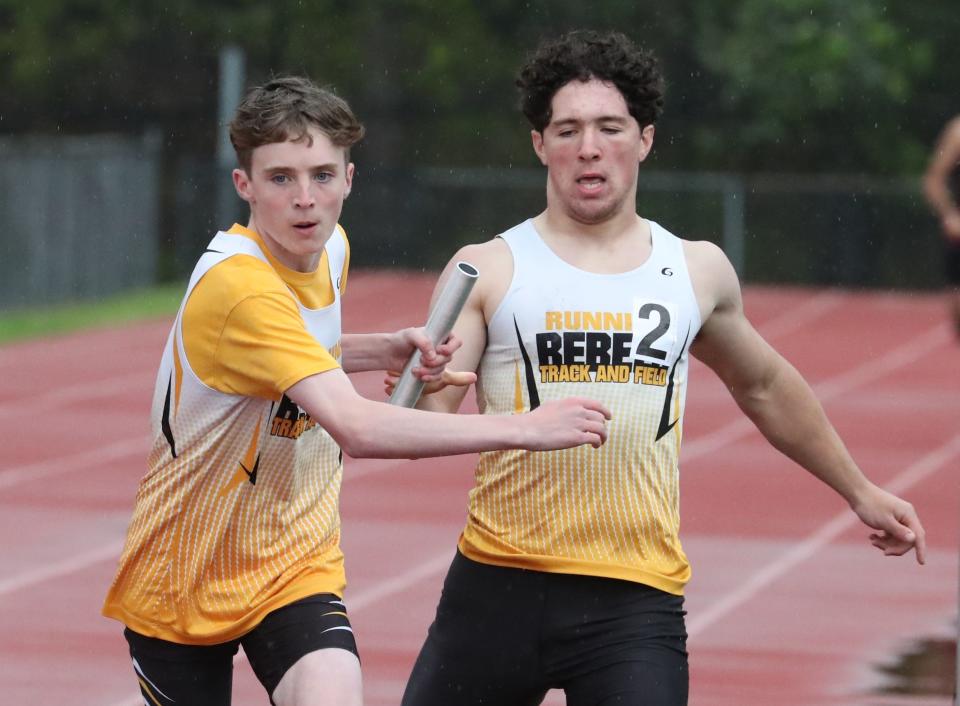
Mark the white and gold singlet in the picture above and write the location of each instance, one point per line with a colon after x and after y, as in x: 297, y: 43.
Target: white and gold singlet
x: 622, y: 339
x: 238, y: 512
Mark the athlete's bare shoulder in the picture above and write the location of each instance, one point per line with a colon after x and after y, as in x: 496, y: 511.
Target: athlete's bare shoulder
x: 714, y: 280
x: 493, y: 253
x: 948, y: 146
x: 494, y: 262
x: 706, y: 261
x: 952, y: 129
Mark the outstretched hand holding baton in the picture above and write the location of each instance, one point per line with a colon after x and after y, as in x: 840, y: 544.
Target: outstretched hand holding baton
x: 439, y: 324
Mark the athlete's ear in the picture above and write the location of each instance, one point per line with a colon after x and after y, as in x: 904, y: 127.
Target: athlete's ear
x: 241, y: 182
x: 348, y: 177
x: 646, y: 141
x: 537, y: 138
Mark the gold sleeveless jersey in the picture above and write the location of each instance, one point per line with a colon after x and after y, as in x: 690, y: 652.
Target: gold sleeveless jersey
x: 622, y: 339
x: 238, y: 512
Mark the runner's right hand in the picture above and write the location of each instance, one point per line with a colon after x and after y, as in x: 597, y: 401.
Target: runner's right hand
x: 562, y: 424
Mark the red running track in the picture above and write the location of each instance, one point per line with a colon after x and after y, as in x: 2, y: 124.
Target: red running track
x: 789, y: 604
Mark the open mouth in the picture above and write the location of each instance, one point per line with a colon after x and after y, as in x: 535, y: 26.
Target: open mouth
x: 591, y: 182
x: 305, y: 226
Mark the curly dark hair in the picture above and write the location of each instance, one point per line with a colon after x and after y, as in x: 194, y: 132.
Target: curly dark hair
x: 585, y: 54
x: 285, y: 108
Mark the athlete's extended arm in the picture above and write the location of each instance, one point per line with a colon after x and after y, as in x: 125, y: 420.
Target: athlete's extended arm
x: 944, y: 160
x: 783, y: 406
x: 364, y: 428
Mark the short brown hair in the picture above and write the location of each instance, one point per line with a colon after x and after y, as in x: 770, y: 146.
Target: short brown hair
x: 285, y: 108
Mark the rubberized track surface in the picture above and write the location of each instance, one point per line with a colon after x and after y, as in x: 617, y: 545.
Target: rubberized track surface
x: 789, y: 604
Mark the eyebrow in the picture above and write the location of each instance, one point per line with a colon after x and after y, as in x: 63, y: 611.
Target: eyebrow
x: 600, y: 119
x: 328, y: 167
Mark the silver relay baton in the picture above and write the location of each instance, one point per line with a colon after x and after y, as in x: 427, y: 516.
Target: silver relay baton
x: 439, y: 324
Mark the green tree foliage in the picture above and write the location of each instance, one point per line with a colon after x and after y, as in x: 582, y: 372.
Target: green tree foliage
x: 803, y: 81
x: 786, y: 85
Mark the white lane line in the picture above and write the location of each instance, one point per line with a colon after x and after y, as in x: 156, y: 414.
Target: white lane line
x: 922, y: 344
x: 78, y: 562
x: 797, y: 316
x: 75, y: 462
x: 803, y: 550
x: 829, y: 389
x: 88, y: 391
x: 411, y: 577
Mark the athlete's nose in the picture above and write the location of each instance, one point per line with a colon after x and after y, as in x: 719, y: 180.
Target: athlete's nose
x: 304, y: 196
x: 589, y: 144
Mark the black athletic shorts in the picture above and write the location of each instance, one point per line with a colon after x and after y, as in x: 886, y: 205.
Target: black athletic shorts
x: 505, y: 636
x: 952, y: 252
x: 202, y: 675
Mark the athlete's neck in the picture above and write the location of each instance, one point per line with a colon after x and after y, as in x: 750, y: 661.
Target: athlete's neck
x: 613, y: 246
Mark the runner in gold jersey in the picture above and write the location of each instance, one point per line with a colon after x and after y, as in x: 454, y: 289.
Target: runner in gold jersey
x: 235, y: 537
x: 570, y: 573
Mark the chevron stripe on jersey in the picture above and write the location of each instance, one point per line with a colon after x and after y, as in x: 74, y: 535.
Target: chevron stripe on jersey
x: 622, y: 339
x: 238, y: 513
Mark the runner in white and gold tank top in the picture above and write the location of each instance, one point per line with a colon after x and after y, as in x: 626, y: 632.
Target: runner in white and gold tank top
x: 621, y: 338
x: 570, y: 574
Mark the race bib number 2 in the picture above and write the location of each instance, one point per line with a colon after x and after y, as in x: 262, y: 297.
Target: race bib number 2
x: 654, y: 329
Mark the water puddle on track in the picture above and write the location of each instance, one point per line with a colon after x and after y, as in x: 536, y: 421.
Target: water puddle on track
x: 926, y: 668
